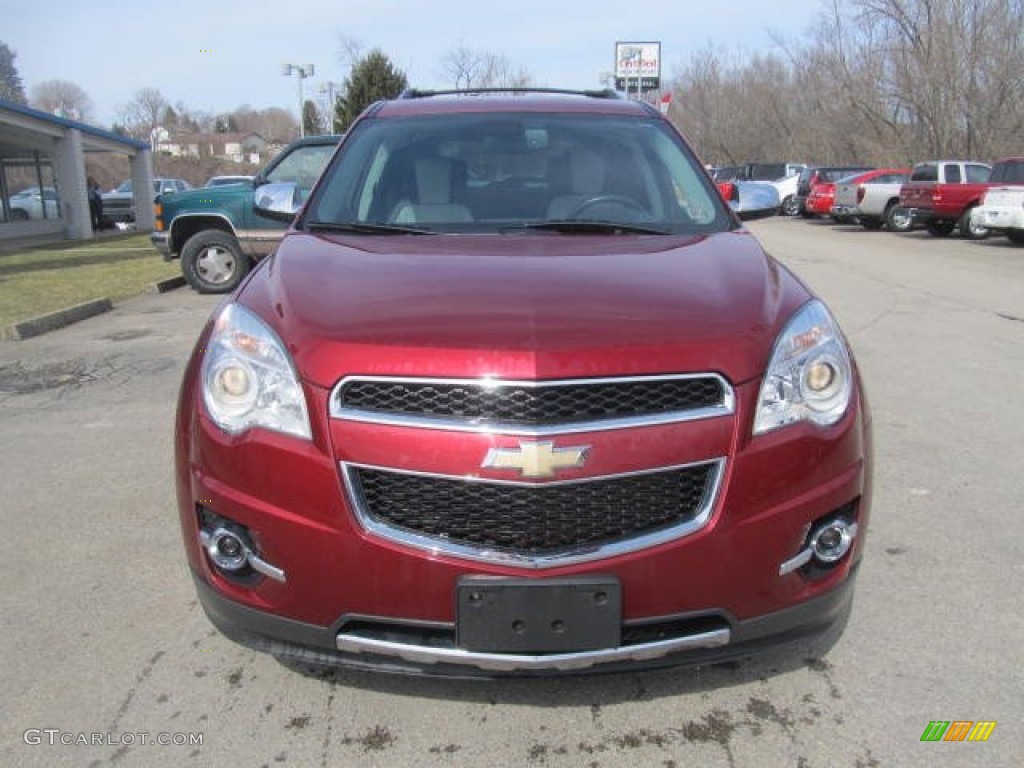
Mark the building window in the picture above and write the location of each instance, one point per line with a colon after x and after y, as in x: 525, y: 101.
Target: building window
x: 28, y: 189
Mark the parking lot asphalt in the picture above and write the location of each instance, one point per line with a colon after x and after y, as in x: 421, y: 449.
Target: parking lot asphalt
x: 102, y: 639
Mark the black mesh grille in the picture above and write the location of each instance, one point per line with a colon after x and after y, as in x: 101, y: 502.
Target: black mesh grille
x: 532, y: 405
x: 533, y: 520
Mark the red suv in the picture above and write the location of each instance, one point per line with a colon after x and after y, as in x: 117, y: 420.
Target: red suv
x: 517, y: 393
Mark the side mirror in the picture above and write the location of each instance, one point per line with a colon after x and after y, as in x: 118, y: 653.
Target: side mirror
x: 278, y: 201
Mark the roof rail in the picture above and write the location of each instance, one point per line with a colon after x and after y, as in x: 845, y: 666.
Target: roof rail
x: 415, y: 93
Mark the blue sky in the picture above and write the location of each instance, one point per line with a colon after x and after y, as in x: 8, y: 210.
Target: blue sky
x: 216, y: 55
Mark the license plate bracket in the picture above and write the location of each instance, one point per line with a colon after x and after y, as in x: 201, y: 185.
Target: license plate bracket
x: 497, y: 615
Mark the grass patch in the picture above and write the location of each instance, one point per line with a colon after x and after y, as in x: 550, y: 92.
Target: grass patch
x: 41, y: 280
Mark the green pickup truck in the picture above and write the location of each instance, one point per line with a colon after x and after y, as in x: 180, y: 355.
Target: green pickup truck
x: 215, y: 231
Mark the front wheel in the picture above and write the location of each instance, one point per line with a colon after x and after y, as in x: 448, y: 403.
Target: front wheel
x: 1016, y: 236
x: 970, y: 229
x: 213, y: 262
x: 940, y: 227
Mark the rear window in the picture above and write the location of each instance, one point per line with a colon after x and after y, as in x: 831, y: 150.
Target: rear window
x: 925, y: 172
x: 496, y: 172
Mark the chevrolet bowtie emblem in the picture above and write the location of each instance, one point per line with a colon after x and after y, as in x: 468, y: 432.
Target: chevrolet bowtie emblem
x: 536, y: 459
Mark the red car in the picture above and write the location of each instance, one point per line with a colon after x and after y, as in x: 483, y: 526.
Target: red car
x: 518, y: 393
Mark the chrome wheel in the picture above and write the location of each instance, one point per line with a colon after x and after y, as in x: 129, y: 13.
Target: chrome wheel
x: 215, y: 265
x: 213, y: 262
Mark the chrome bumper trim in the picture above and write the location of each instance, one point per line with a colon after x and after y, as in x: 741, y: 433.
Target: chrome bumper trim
x: 506, y: 662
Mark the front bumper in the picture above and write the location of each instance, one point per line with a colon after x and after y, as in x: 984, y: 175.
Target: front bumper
x: 999, y: 218
x: 124, y: 214
x: 162, y: 242
x: 352, y: 596
x: 715, y: 636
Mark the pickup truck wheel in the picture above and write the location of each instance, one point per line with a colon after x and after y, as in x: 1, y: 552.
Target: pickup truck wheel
x: 790, y: 206
x: 897, y: 219
x: 970, y: 230
x: 940, y: 227
x: 213, y: 262
x: 1016, y: 236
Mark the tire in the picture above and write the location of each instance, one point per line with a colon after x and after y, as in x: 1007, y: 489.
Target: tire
x: 940, y: 227
x: 872, y: 222
x: 790, y: 206
x: 898, y: 220
x: 18, y: 214
x: 971, y: 231
x: 1016, y: 236
x: 213, y: 262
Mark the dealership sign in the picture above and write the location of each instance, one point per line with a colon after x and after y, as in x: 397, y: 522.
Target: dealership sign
x: 638, y: 60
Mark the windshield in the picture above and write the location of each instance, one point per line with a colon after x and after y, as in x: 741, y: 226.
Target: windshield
x: 497, y: 173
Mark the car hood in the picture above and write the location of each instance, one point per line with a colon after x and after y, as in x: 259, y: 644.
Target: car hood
x: 535, y: 306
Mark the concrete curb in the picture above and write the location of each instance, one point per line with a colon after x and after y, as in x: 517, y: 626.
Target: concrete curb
x: 168, y: 284
x: 54, y: 320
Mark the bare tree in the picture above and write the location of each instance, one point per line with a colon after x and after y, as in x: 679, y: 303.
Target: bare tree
x: 62, y: 98
x: 879, y: 81
x: 351, y: 50
x: 470, y: 69
x: 143, y: 114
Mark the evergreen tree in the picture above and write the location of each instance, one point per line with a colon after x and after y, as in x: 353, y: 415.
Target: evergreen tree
x: 372, y: 78
x: 311, y: 122
x: 11, y: 87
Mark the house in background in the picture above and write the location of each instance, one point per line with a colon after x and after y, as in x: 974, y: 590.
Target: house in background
x: 236, y: 147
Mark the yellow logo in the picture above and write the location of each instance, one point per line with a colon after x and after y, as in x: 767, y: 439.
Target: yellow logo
x: 536, y: 459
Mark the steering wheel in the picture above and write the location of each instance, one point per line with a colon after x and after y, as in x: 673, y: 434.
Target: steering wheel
x: 622, y: 200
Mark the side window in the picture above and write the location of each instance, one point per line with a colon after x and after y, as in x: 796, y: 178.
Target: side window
x: 976, y: 174
x: 302, y: 166
x: 952, y: 173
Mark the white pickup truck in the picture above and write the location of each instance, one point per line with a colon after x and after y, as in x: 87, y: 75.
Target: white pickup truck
x: 1002, y: 207
x: 874, y: 200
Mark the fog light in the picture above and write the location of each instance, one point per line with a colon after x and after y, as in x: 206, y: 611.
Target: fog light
x: 833, y: 540
x: 830, y: 539
x: 230, y: 547
x: 227, y: 550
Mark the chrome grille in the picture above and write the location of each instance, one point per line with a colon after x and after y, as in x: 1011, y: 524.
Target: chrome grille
x: 553, y: 521
x: 532, y: 407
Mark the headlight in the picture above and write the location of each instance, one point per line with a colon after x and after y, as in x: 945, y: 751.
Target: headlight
x: 248, y: 379
x: 809, y: 376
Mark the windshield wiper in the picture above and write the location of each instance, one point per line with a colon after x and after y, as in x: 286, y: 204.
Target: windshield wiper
x: 360, y: 228
x: 591, y: 225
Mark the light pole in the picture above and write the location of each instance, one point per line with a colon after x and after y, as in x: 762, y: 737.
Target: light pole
x: 303, y: 72
x: 330, y: 88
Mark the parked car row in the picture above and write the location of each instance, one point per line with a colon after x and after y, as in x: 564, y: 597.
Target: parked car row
x: 942, y: 196
x: 756, y: 190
